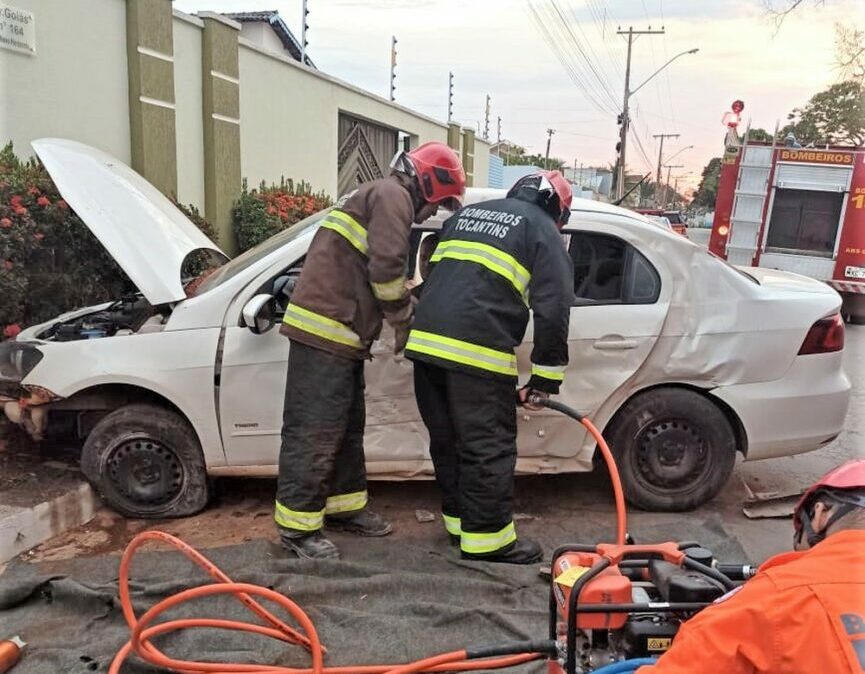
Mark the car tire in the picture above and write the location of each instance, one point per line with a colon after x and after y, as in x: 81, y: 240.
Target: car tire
x: 146, y: 462
x: 675, y: 449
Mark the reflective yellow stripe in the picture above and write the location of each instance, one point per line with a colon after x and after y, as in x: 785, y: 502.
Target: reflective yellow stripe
x: 390, y: 291
x: 554, y: 372
x: 462, y: 352
x: 452, y: 524
x: 349, y: 228
x: 344, y: 503
x: 490, y: 257
x: 298, y: 519
x: 479, y: 544
x: 322, y: 326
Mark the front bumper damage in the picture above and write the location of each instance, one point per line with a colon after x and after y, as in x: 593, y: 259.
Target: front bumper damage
x: 23, y: 404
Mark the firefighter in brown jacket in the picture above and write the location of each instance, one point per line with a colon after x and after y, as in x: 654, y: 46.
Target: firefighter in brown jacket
x: 354, y: 274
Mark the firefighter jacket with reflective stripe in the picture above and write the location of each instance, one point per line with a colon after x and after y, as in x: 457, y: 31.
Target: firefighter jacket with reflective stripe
x: 354, y: 272
x: 803, y: 612
x: 495, y: 261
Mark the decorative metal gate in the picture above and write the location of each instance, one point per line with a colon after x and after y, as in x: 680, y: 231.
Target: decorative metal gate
x: 365, y: 152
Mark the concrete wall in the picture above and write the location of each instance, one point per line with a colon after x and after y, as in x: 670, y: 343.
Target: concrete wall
x: 76, y: 84
x: 289, y: 116
x: 107, y: 66
x: 187, y: 92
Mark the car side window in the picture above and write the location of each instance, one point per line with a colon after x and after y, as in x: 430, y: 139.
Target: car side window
x: 608, y: 270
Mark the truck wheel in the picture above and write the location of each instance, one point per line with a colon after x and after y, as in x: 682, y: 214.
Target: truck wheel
x: 146, y: 462
x: 675, y: 449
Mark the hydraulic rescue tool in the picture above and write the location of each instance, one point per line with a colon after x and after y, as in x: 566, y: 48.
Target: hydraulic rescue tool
x: 612, y: 606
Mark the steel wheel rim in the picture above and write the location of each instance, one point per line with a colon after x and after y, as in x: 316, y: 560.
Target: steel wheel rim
x: 671, y: 454
x: 145, y: 472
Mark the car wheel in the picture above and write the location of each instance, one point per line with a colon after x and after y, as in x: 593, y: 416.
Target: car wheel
x: 675, y: 449
x: 146, y: 461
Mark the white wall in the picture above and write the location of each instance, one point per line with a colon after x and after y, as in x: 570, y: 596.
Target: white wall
x: 188, y: 121
x: 289, y: 116
x: 262, y: 35
x: 482, y: 163
x: 76, y: 84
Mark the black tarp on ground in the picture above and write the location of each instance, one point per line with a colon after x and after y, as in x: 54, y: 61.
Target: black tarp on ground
x: 389, y: 600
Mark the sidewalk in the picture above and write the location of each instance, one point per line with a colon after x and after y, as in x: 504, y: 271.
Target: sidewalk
x: 42, y: 495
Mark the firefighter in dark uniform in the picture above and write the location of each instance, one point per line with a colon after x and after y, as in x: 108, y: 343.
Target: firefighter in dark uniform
x: 353, y: 276
x: 496, y: 261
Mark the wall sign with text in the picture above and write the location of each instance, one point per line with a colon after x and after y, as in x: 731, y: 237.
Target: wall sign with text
x: 17, y: 30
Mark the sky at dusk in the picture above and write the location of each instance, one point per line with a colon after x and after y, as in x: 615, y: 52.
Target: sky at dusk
x: 495, y: 47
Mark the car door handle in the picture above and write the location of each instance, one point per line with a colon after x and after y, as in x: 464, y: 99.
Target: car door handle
x: 615, y: 344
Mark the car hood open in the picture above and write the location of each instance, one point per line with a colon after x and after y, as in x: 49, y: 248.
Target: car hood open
x: 143, y: 231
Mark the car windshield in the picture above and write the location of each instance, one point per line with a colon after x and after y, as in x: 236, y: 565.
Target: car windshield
x: 232, y: 268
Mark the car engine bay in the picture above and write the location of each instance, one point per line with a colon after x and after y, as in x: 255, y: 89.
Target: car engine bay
x: 127, y: 316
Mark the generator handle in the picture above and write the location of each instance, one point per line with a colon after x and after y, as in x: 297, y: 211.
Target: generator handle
x: 669, y: 552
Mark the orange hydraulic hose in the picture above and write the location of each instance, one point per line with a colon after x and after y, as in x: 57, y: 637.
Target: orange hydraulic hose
x: 618, y: 492
x: 609, y: 459
x: 143, y: 629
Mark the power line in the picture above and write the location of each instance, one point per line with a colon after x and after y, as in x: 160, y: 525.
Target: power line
x: 562, y: 57
x: 583, y: 49
x: 561, y: 43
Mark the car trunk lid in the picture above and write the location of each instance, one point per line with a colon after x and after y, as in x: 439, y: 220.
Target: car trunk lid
x: 139, y: 226
x: 775, y: 279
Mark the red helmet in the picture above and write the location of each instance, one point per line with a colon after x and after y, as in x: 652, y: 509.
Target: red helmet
x: 439, y: 173
x: 841, y: 484
x: 554, y: 190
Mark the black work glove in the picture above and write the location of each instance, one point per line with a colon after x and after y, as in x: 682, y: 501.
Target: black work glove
x: 526, y: 395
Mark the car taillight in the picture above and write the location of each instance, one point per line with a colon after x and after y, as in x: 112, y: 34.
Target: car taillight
x: 825, y: 336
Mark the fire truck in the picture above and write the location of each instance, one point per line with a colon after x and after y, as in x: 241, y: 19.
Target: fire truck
x: 796, y: 209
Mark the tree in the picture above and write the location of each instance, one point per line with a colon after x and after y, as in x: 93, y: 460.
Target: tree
x: 707, y: 192
x: 757, y: 135
x: 518, y: 157
x: 850, y: 52
x: 835, y: 117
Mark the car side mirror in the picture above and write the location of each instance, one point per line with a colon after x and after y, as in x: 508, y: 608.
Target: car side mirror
x: 258, y: 314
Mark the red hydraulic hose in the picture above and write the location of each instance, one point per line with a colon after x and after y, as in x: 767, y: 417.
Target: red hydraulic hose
x: 143, y: 628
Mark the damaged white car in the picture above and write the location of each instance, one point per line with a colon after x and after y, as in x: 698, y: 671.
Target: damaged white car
x: 682, y: 360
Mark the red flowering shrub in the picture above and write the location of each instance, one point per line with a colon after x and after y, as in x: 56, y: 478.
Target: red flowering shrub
x: 259, y: 214
x: 49, y: 260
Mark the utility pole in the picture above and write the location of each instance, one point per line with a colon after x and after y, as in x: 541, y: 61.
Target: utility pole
x: 624, y: 118
x: 660, y: 155
x: 575, y: 169
x: 669, y: 168
x: 393, y: 67
x: 487, y: 120
x: 450, y: 97
x: 550, y: 133
x: 303, y: 29
x: 581, y: 175
x: 499, y: 134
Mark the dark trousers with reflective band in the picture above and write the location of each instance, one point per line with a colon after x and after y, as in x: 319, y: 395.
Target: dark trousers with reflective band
x: 472, y: 423
x: 321, y: 461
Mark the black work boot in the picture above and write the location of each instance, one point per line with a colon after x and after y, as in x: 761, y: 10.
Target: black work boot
x: 363, y: 523
x: 454, y: 539
x: 521, y: 551
x: 311, y: 546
